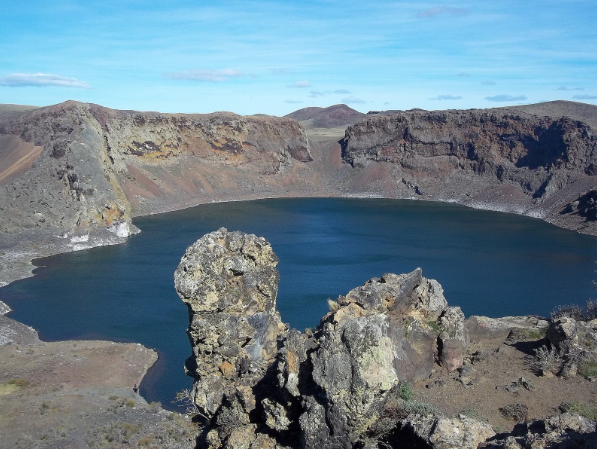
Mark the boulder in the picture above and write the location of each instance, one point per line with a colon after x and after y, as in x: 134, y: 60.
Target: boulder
x: 446, y: 433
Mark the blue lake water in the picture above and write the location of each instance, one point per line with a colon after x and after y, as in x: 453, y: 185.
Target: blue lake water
x: 489, y: 263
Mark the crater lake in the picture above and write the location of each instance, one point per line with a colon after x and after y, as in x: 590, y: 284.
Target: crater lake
x: 489, y: 263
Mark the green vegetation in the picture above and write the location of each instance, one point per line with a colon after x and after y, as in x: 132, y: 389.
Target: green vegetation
x: 420, y: 408
x: 433, y: 325
x: 474, y: 414
x: 405, y: 390
x: 586, y: 410
x: 20, y: 383
x: 588, y: 368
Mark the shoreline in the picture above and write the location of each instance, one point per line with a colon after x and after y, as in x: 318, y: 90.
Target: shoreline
x: 18, y: 264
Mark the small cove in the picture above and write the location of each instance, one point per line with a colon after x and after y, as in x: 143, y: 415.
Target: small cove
x: 489, y: 263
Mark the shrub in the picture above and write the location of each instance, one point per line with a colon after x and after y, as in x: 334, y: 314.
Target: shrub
x: 517, y: 412
x: 568, y: 311
x: 420, y: 408
x: 333, y: 305
x: 18, y: 382
x: 405, y: 390
x: 591, y: 309
x: 576, y: 312
x: 547, y: 359
x: 587, y: 368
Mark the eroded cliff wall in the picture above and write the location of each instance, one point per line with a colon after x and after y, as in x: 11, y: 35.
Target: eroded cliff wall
x: 493, y: 159
x: 72, y: 175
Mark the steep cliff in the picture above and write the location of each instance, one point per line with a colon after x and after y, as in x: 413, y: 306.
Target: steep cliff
x: 494, y: 159
x: 73, y: 175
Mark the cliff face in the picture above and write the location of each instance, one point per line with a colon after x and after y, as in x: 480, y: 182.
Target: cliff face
x: 499, y: 159
x: 81, y: 171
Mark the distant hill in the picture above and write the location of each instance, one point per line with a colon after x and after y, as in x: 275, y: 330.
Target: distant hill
x: 13, y: 111
x: 581, y: 112
x: 330, y: 117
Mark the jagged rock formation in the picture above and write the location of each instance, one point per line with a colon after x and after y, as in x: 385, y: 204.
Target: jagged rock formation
x: 341, y: 385
x: 256, y: 380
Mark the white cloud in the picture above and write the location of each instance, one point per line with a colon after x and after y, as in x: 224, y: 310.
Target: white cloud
x: 353, y: 100
x: 506, y: 98
x: 569, y: 88
x: 315, y: 94
x: 447, y: 97
x: 438, y: 10
x: 41, y: 80
x: 301, y: 84
x: 211, y: 75
x: 585, y: 97
x: 489, y: 83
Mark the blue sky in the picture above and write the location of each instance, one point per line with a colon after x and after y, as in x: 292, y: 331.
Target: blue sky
x: 273, y: 56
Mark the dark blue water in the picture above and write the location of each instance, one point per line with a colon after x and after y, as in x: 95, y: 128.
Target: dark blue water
x: 488, y: 263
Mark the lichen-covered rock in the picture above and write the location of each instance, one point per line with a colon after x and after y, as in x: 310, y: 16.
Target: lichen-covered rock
x: 453, y: 339
x: 258, y: 383
x: 229, y: 281
x: 381, y: 333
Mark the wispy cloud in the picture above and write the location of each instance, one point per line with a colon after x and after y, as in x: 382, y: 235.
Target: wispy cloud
x: 353, y: 100
x: 585, y: 97
x: 342, y: 91
x: 506, y: 98
x: 439, y: 10
x: 301, y: 84
x: 447, y: 97
x: 464, y: 74
x: 210, y: 75
x: 315, y: 94
x: 293, y: 101
x: 569, y: 88
x: 278, y: 71
x: 41, y: 80
x: 489, y: 83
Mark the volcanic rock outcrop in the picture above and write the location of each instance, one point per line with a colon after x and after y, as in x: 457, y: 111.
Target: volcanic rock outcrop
x: 259, y: 383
